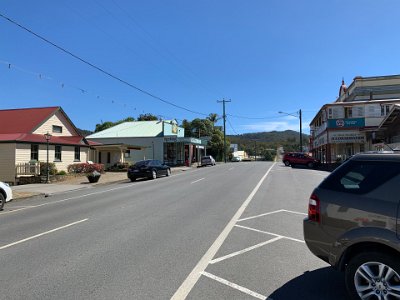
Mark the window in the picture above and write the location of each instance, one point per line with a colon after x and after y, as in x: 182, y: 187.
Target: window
x: 127, y: 153
x: 108, y: 157
x: 77, y: 153
x: 99, y: 157
x: 57, y: 129
x: 360, y: 177
x: 385, y: 110
x: 348, y: 112
x: 57, y: 153
x: 34, y: 152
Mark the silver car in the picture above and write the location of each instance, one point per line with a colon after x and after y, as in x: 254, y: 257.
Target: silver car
x: 207, y: 160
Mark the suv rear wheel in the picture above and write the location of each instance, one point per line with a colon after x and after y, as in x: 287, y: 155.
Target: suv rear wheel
x: 287, y: 163
x: 373, y: 275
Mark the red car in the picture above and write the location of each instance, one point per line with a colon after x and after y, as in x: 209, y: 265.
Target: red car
x: 298, y: 158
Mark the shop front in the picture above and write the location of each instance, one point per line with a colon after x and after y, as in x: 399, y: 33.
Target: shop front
x: 180, y: 151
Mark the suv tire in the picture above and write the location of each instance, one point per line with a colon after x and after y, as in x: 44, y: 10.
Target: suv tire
x: 310, y: 165
x: 287, y: 163
x: 379, y: 265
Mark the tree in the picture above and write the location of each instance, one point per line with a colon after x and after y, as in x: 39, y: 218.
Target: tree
x: 205, y: 127
x: 105, y: 125
x: 147, y: 117
x: 213, y: 118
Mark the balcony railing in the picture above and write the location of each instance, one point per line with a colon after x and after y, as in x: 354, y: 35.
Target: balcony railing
x: 27, y: 169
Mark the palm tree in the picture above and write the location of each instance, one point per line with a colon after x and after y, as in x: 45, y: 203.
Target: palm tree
x: 213, y: 118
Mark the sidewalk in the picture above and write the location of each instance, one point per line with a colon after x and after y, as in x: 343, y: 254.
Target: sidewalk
x: 73, y: 183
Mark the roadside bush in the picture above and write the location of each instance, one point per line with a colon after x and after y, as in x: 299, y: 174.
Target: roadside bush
x: 119, y: 167
x: 85, y: 168
x: 61, y: 173
x: 43, y: 168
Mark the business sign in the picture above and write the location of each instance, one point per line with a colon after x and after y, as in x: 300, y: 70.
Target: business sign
x: 346, y: 123
x: 346, y: 137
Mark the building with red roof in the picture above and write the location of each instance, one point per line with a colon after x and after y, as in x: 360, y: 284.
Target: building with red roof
x: 23, y: 140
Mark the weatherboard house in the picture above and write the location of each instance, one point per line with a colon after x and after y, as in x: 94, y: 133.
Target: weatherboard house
x: 23, y: 142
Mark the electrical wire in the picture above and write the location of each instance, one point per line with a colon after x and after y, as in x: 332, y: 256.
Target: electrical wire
x: 100, y: 69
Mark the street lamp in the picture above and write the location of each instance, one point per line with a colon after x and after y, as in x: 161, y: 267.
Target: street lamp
x: 47, y: 136
x: 296, y: 116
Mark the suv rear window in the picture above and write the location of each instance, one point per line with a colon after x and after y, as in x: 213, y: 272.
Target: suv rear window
x: 360, y: 177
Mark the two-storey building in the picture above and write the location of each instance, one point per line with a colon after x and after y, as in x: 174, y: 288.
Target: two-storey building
x: 354, y: 122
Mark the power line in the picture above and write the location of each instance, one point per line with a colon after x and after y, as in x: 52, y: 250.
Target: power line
x: 230, y: 124
x: 63, y: 85
x: 100, y: 69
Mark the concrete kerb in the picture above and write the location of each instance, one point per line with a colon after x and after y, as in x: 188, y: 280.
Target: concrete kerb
x: 21, y: 192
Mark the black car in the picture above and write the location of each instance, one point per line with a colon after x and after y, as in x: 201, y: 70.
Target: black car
x: 149, y: 168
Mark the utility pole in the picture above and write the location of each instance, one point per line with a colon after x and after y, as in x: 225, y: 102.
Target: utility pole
x: 301, y: 134
x: 224, y: 116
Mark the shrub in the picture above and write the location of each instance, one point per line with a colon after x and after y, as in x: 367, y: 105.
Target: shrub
x: 43, y: 168
x: 61, y: 173
x: 85, y: 168
x: 119, y: 167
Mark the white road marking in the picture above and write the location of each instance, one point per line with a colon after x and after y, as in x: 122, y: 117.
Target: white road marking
x: 262, y: 215
x: 270, y: 233
x: 197, y: 180
x: 245, y: 250
x: 194, y: 276
x: 40, y: 234
x: 235, y: 286
x: 67, y: 199
x: 294, y: 212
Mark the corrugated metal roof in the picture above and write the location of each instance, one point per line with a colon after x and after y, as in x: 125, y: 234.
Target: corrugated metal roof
x: 39, y: 138
x: 131, y: 129
x: 24, y: 120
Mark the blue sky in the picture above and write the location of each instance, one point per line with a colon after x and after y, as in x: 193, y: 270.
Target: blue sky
x: 265, y: 56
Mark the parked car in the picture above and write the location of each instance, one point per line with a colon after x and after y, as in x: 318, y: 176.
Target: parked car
x: 299, y: 158
x: 353, y: 224
x: 149, y: 168
x: 207, y: 160
x: 236, y: 159
x: 5, y: 194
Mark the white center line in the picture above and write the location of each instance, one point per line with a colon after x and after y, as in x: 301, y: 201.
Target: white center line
x: 43, y: 233
x: 194, y: 276
x: 235, y: 286
x: 197, y: 180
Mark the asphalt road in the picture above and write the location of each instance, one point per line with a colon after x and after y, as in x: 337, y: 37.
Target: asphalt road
x: 233, y: 231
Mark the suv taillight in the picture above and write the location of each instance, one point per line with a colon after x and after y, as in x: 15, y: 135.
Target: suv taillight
x: 314, y: 209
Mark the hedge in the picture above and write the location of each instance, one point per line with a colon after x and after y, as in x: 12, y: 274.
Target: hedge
x: 85, y: 168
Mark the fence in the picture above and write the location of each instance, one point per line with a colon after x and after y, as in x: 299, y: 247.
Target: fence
x: 24, y: 169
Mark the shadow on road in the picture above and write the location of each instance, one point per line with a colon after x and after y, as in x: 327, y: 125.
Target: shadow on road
x: 325, y: 283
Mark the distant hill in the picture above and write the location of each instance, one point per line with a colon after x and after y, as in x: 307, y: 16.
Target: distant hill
x: 270, y: 137
x: 288, y: 139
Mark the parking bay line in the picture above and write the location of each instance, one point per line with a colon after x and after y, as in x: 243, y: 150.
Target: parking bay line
x: 270, y: 233
x: 191, y: 280
x: 214, y: 261
x: 235, y: 286
x: 41, y: 234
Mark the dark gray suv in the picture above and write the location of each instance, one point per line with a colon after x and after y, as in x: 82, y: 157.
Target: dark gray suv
x: 353, y: 224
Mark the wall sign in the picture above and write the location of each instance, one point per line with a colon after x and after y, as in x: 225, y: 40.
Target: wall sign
x: 346, y: 123
x: 346, y: 137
